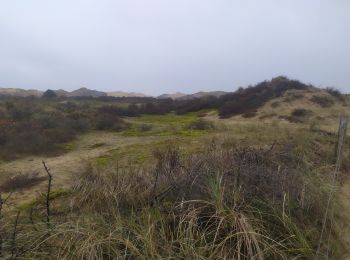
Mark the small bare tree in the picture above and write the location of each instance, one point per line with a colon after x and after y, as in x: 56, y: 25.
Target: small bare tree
x: 48, y: 193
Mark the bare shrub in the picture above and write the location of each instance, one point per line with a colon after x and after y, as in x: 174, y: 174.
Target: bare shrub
x: 335, y: 93
x: 291, y: 119
x: 292, y: 97
x: 270, y: 115
x: 300, y: 112
x: 249, y: 115
x: 322, y: 101
x: 201, y: 124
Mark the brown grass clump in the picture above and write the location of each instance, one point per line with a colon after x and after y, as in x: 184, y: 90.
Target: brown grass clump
x: 293, y: 96
x: 300, y: 112
x: 21, y: 181
x: 322, y: 101
x: 201, y: 124
x: 275, y: 104
x: 249, y: 115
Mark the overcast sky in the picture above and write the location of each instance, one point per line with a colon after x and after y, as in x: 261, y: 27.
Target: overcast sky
x: 157, y: 46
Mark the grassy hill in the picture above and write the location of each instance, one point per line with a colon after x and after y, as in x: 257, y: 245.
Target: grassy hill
x: 155, y: 183
x: 317, y: 106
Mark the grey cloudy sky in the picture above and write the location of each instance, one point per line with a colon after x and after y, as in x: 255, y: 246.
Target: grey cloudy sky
x: 156, y: 46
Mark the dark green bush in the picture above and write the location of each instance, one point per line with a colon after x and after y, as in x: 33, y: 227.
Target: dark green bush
x: 105, y: 121
x: 38, y: 126
x: 249, y: 115
x: 250, y: 99
x: 300, y: 112
x: 335, y: 93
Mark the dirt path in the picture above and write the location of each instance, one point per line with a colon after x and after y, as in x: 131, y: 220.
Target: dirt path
x: 62, y: 167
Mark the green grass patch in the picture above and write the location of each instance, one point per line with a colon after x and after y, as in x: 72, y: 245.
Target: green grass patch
x: 165, y: 132
x: 142, y: 153
x: 132, y: 154
x: 169, y: 119
x: 164, y: 125
x: 138, y: 130
x: 68, y: 146
x: 102, y: 160
x: 56, y: 194
x: 190, y: 133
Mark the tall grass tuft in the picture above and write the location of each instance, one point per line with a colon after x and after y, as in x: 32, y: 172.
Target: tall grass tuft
x: 225, y: 202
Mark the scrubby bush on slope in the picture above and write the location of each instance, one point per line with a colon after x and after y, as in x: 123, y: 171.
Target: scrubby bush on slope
x: 250, y: 99
x: 39, y: 126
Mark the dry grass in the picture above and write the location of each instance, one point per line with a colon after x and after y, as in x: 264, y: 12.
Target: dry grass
x: 21, y: 181
x: 327, y: 117
x: 225, y: 202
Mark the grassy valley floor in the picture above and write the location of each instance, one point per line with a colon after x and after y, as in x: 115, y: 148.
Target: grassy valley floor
x: 137, y: 146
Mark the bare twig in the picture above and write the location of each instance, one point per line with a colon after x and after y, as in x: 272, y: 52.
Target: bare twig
x: 48, y: 194
x: 272, y: 145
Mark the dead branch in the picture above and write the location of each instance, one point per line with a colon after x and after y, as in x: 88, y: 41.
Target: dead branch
x: 48, y: 194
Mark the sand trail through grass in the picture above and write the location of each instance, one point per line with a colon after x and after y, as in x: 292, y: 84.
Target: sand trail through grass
x: 63, y: 167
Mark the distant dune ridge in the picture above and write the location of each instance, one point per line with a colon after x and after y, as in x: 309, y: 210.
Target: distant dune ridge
x: 273, y: 88
x: 81, y: 92
x: 176, y: 95
x: 201, y: 94
x: 20, y: 92
x: 62, y: 93
x: 85, y: 92
x: 125, y: 94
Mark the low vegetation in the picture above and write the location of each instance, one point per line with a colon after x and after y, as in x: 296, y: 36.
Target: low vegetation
x: 226, y: 201
x: 322, y: 101
x: 21, y: 181
x: 250, y: 99
x: 35, y: 125
x: 40, y: 126
x: 186, y: 185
